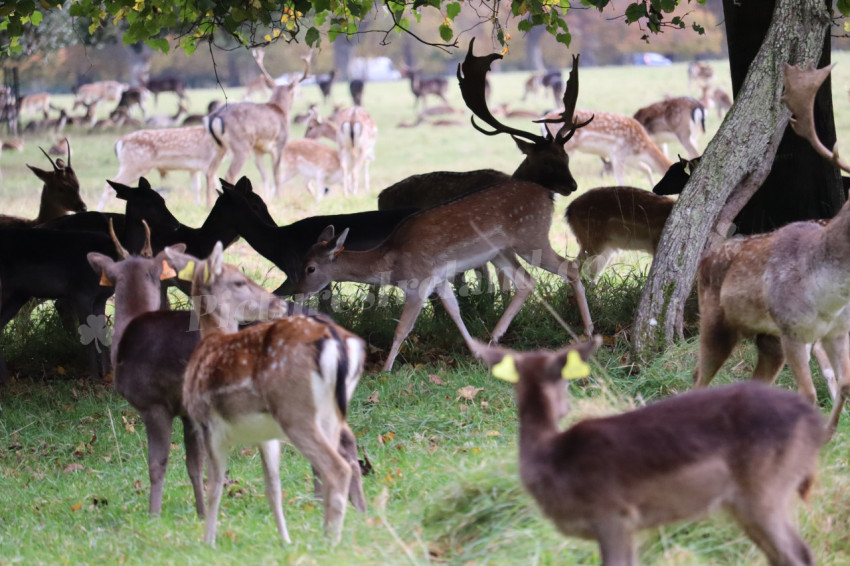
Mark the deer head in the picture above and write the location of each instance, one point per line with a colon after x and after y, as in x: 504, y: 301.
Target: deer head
x: 61, y: 186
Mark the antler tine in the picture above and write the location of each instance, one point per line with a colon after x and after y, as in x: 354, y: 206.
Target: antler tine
x: 263, y: 71
x: 68, y: 146
x: 147, y: 251
x: 55, y: 168
x: 568, y: 115
x: 471, y: 74
x: 306, y: 58
x: 801, y: 87
x: 122, y: 252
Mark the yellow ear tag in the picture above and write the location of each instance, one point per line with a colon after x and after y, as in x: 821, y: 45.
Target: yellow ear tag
x: 206, y: 273
x: 506, y: 369
x: 104, y: 280
x: 187, y: 272
x: 575, y: 368
x: 167, y: 271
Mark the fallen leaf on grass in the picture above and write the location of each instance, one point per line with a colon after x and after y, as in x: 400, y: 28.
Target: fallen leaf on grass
x: 73, y: 467
x: 129, y: 425
x: 469, y: 392
x: 373, y: 398
x: 433, y: 378
x: 494, y: 433
x: 76, y: 507
x: 386, y: 438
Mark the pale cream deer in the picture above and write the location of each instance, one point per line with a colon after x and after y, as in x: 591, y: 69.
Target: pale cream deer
x: 93, y: 93
x: 37, y: 102
x: 700, y: 73
x: 718, y: 99
x: 617, y: 138
x: 356, y: 136
x: 746, y: 448
x: 317, y: 163
x: 290, y: 377
x: 675, y: 119
x: 244, y: 128
x: 172, y: 149
x: 427, y: 249
x: 787, y: 288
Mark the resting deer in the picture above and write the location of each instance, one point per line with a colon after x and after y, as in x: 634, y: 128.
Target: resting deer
x: 679, y: 118
x: 292, y: 377
x: 173, y: 149
x: 747, y: 448
x: 491, y: 225
x: 619, y: 139
x: 60, y: 194
x: 788, y: 288
x: 243, y: 128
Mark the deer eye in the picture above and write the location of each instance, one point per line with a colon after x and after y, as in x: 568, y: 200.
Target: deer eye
x: 311, y: 269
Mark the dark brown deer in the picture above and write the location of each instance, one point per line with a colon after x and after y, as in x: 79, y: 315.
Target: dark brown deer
x: 787, y: 288
x: 60, y: 194
x: 355, y: 87
x: 326, y: 83
x: 294, y: 376
x: 422, y: 87
x: 166, y: 84
x: 747, y: 448
x: 492, y: 225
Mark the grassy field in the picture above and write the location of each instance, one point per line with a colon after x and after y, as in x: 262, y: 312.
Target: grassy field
x: 73, y: 473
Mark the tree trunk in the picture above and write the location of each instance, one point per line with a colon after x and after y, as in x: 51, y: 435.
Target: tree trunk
x: 733, y: 166
x: 533, y: 49
x: 801, y: 184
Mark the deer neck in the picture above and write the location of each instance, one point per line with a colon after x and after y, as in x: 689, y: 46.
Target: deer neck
x: 537, y: 422
x: 209, y: 319
x: 217, y: 227
x: 47, y: 209
x: 835, y: 250
x: 264, y: 238
x: 131, y: 300
x: 371, y: 266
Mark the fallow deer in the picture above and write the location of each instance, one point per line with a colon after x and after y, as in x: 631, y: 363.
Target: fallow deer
x: 60, y: 194
x: 89, y: 95
x: 620, y: 139
x: 133, y: 97
x: 680, y: 118
x: 247, y: 127
x: 718, y: 99
x: 168, y: 120
x: 355, y: 88
x: 318, y: 164
x: 173, y: 149
x: 157, y: 85
x: 787, y: 288
x: 491, y: 225
x: 356, y: 136
x: 36, y: 102
x: 293, y: 376
x: 422, y: 87
x: 326, y: 83
x: 747, y: 448
x: 700, y: 73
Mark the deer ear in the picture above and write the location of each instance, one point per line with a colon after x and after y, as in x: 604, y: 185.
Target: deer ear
x: 501, y: 360
x: 243, y: 185
x: 40, y: 173
x: 102, y: 264
x: 144, y: 184
x: 183, y: 263
x: 524, y: 146
x: 327, y: 235
x: 216, y: 261
x: 121, y: 191
x: 571, y: 362
x: 340, y: 240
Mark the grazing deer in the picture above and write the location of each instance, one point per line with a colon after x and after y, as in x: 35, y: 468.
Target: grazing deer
x: 700, y: 73
x: 680, y: 118
x: 676, y: 177
x: 248, y: 127
x: 171, y: 149
x: 491, y: 225
x: 132, y: 97
x: 355, y: 88
x: 422, y: 87
x: 619, y: 139
x: 318, y: 164
x: 294, y: 377
x: 60, y: 194
x: 194, y: 119
x: 356, y: 136
x: 531, y: 85
x: 747, y: 448
x: 89, y: 95
x: 788, y: 288
x: 608, y: 219
x: 36, y: 102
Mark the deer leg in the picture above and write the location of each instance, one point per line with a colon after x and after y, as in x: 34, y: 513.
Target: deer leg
x: 269, y: 190
x: 334, y: 470
x: 216, y: 462
x: 826, y: 368
x: 597, y: 263
x: 615, y: 544
x: 524, y: 282
x: 568, y: 271
x: 770, y: 360
x: 798, y: 359
x: 619, y: 168
x: 715, y: 344
x: 195, y: 183
x: 447, y: 297
x: 240, y: 156
x: 158, y: 426
x: 194, y: 443
x: 768, y: 526
x: 648, y: 170
x: 412, y: 307
x: 348, y: 450
x: 270, y: 451
x: 838, y: 350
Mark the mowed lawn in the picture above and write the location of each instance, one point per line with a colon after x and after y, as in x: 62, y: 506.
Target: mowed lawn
x: 445, y: 489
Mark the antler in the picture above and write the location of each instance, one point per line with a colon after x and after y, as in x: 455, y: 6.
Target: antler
x: 55, y: 168
x: 567, y: 116
x: 801, y: 86
x: 121, y: 250
x: 471, y: 74
x: 258, y: 58
x: 147, y: 251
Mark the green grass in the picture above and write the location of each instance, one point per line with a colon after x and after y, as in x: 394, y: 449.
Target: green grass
x: 445, y: 489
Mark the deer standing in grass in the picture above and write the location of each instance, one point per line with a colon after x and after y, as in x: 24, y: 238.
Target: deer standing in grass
x: 244, y: 128
x: 292, y: 377
x: 787, y: 288
x: 426, y: 249
x: 746, y: 448
x: 619, y: 139
x: 318, y: 164
x: 676, y: 119
x: 356, y: 137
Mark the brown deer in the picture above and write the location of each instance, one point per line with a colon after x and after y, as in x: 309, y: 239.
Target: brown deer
x: 718, y: 99
x: 60, y: 194
x: 608, y: 219
x: 170, y: 149
x: 356, y: 136
x: 494, y: 224
x: 700, y: 73
x: 680, y: 118
x: 243, y: 128
x: 93, y: 93
x: 318, y: 164
x: 422, y: 87
x: 787, y: 288
x: 37, y: 102
x: 747, y: 448
x: 619, y: 139
x: 292, y: 377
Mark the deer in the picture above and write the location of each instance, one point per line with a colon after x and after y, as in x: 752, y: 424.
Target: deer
x: 787, y: 288
x: 157, y: 85
x: 246, y: 127
x: 355, y: 88
x: 680, y: 118
x: 165, y: 120
x: 356, y: 136
x: 718, y: 99
x: 195, y: 119
x: 293, y: 376
x: 133, y: 96
x: 318, y: 164
x: 700, y: 73
x: 32, y: 103
x: 491, y: 225
x: 326, y: 83
x: 747, y: 448
x: 91, y: 94
x: 422, y: 87
x: 60, y: 194
x: 620, y: 139
x: 188, y: 148
x: 531, y: 85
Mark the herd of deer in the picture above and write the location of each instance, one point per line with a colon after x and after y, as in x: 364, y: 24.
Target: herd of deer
x: 292, y: 372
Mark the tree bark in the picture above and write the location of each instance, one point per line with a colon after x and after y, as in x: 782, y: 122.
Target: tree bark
x: 533, y: 49
x: 733, y: 166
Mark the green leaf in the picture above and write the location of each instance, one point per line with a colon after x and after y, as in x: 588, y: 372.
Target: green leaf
x: 564, y: 38
x: 698, y: 28
x: 635, y: 12
x: 188, y: 44
x: 158, y: 44
x: 524, y: 25
x: 843, y: 7
x: 446, y: 33
x: 452, y: 10
x: 312, y: 37
x: 36, y: 18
